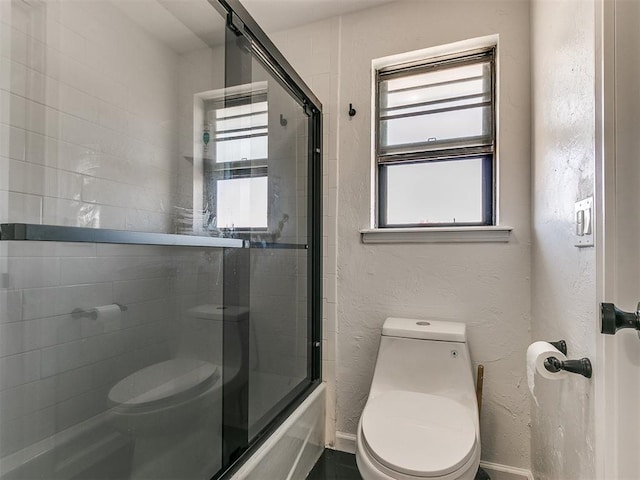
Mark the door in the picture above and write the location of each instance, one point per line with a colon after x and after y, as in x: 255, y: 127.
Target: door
x: 618, y: 250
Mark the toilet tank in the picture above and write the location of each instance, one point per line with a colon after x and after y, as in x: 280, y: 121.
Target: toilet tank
x: 427, y: 356
x: 201, y: 333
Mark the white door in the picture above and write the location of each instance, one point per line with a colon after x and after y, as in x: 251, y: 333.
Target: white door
x: 618, y: 380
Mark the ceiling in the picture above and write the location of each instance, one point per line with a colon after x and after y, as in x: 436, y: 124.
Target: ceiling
x: 188, y: 25
x: 275, y: 15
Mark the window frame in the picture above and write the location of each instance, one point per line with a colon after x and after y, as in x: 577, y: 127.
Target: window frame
x: 449, y: 151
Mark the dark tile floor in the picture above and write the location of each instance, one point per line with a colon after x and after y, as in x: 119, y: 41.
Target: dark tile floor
x: 334, y: 465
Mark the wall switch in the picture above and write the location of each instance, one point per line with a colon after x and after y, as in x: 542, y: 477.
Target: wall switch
x: 584, y: 223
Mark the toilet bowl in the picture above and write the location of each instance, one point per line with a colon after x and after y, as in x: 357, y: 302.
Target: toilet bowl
x: 175, y: 389
x: 421, y: 417
x: 169, y: 410
x: 172, y: 410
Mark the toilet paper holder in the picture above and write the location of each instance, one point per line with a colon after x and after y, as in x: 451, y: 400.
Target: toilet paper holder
x: 581, y: 366
x: 93, y: 312
x: 555, y: 365
x: 560, y: 345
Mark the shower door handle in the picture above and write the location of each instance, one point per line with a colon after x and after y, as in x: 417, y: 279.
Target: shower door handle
x: 614, y: 319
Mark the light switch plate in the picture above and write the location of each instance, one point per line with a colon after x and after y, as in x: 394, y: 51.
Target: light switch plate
x: 584, y: 222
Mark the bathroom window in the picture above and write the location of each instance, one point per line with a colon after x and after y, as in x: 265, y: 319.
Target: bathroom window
x: 435, y: 141
x: 238, y: 181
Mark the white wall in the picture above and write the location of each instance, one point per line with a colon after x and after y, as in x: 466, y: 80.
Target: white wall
x: 563, y: 294
x: 485, y: 285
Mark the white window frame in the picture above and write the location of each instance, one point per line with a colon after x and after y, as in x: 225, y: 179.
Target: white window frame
x: 495, y: 232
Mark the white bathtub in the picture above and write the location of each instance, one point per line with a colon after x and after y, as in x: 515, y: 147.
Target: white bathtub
x: 293, y: 449
x: 93, y: 447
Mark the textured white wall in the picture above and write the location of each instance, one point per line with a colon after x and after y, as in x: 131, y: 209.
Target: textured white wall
x: 485, y: 285
x: 563, y: 293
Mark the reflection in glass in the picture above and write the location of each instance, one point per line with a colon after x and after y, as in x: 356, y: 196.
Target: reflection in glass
x: 241, y: 132
x: 242, y: 203
x: 114, y: 368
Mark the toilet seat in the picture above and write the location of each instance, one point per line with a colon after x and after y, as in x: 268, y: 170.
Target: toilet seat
x: 171, y: 381
x: 418, y: 434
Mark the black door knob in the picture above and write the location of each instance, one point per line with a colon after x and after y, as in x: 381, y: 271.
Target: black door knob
x: 614, y: 319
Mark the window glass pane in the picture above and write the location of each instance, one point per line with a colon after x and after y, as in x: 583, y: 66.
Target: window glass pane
x: 447, y: 105
x: 434, y: 192
x: 459, y: 127
x: 395, y: 96
x: 439, y: 76
x: 431, y: 107
x: 242, y: 203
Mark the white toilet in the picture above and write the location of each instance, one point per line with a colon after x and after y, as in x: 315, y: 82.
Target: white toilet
x: 421, y: 417
x: 172, y: 409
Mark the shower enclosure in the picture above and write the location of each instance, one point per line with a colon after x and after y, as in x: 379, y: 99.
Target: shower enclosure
x: 160, y: 243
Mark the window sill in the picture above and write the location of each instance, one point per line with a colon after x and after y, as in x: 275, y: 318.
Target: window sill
x: 484, y: 234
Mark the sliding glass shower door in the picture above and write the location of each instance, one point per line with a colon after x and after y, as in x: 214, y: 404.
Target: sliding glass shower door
x: 159, y: 238
x: 263, y: 152
x: 280, y: 341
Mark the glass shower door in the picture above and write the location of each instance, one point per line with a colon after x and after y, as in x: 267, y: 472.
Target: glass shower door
x: 160, y: 238
x: 111, y: 357
x: 280, y: 342
x: 258, y: 184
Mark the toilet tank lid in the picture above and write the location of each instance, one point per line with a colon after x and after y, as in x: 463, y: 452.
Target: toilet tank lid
x: 425, y: 329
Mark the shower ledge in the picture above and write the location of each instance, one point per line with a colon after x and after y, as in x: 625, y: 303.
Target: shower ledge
x: 55, y: 233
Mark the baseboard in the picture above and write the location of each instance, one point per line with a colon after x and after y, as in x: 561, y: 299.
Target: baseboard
x: 505, y: 472
x: 345, y: 442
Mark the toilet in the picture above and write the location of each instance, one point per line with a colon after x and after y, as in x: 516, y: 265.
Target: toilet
x: 172, y: 410
x: 421, y: 417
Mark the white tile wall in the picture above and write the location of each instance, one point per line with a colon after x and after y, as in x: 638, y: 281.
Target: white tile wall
x: 77, y: 99
x: 86, y: 139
